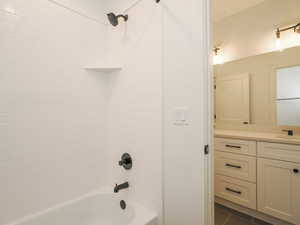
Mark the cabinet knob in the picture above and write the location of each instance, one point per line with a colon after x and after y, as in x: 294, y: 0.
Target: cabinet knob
x: 296, y: 170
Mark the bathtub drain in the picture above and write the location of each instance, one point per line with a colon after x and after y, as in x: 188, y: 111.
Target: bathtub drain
x: 123, y: 204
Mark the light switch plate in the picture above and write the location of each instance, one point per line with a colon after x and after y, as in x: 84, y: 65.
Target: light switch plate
x: 181, y: 116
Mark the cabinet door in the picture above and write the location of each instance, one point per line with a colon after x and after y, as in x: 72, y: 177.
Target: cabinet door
x: 279, y: 189
x: 232, y: 99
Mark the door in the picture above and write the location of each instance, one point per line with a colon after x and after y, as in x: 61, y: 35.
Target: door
x: 233, y: 99
x: 278, y: 189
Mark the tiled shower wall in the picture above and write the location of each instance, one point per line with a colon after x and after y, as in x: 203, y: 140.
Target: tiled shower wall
x: 52, y: 112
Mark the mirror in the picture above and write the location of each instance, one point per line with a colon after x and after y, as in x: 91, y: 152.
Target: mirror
x: 259, y: 93
x: 288, y: 96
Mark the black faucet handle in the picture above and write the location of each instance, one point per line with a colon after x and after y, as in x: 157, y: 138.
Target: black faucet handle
x: 126, y: 161
x: 290, y: 132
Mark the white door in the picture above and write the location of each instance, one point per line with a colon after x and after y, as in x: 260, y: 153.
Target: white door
x: 278, y: 189
x: 233, y: 99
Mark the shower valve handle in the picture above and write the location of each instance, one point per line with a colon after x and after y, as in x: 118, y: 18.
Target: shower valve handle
x: 126, y: 161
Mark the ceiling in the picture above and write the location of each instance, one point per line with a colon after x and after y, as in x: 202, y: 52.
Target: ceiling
x: 224, y: 8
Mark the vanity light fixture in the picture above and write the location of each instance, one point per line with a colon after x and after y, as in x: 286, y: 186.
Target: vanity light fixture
x: 216, y: 49
x: 278, y: 40
x: 217, y: 56
x: 295, y: 28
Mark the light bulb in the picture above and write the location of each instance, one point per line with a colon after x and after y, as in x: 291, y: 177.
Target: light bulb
x: 218, y: 59
x: 279, y: 45
x: 297, y: 39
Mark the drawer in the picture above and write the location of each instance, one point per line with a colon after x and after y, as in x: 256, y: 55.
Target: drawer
x: 240, y: 192
x: 284, y: 152
x: 236, y: 146
x: 236, y: 166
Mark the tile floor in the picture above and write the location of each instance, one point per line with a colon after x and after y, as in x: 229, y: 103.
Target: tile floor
x: 226, y: 216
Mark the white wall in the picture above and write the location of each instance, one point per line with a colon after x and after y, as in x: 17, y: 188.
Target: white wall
x: 252, y: 32
x: 135, y: 102
x: 52, y: 112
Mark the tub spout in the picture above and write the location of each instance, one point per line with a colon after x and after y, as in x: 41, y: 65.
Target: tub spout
x: 121, y: 186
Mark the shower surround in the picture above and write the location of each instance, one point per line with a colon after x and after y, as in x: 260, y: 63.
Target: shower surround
x: 64, y: 128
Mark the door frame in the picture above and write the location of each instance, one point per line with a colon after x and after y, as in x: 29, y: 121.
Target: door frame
x: 209, y: 159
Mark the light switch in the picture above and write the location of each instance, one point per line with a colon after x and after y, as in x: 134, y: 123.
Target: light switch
x: 181, y: 116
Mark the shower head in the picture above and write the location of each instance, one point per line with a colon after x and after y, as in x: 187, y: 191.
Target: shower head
x: 113, y: 18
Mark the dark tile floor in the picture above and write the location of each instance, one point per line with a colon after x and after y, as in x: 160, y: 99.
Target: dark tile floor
x: 226, y: 216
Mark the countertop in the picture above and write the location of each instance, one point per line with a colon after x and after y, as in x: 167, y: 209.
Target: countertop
x: 258, y: 136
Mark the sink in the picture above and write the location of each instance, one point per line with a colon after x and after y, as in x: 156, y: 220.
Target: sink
x: 295, y: 137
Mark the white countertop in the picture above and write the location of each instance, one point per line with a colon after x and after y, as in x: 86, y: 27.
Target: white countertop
x: 258, y: 136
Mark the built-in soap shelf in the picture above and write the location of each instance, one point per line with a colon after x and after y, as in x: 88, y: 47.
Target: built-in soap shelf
x: 106, y: 69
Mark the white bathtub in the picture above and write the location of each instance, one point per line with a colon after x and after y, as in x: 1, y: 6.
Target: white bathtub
x: 93, y: 209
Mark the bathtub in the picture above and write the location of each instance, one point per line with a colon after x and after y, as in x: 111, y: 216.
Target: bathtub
x: 92, y: 209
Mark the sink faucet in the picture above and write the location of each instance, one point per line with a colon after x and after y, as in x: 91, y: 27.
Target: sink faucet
x: 290, y: 132
x: 121, y: 186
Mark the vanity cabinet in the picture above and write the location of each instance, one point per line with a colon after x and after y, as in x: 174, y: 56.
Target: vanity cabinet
x: 259, y: 175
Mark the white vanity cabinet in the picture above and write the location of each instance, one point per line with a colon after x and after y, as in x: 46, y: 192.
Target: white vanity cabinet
x: 260, y: 175
x: 278, y: 184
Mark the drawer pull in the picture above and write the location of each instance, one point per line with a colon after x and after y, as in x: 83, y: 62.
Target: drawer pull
x: 234, y: 166
x: 234, y: 191
x: 296, y: 170
x: 233, y: 146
